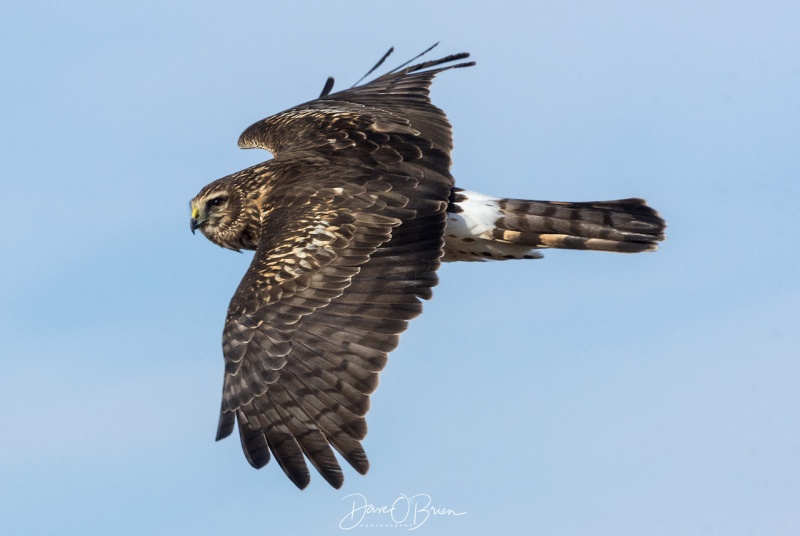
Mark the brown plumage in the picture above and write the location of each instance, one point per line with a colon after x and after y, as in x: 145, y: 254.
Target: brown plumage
x: 349, y: 222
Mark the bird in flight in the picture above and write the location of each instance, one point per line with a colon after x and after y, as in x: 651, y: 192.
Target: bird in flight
x: 349, y: 222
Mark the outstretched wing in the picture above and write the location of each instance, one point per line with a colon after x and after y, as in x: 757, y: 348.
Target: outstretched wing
x: 351, y: 238
x: 397, y: 102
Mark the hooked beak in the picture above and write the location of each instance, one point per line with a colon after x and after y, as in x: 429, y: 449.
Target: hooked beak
x: 196, y: 222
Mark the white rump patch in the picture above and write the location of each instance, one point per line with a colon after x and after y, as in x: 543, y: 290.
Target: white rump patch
x: 468, y: 235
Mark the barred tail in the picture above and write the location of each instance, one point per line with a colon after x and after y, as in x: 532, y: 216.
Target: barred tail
x: 483, y: 227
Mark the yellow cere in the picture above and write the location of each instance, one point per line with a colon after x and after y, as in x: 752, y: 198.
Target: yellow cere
x: 195, y: 212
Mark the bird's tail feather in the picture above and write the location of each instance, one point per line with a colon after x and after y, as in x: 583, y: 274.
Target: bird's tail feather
x: 486, y: 227
x: 624, y: 225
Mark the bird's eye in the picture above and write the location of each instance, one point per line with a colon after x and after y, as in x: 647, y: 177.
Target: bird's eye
x: 215, y: 202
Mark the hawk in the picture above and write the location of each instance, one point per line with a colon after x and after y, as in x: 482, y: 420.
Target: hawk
x: 349, y: 222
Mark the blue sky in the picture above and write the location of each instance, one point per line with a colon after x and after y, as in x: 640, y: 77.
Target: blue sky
x: 581, y: 394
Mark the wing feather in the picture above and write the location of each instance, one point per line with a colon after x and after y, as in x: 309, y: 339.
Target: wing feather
x: 396, y: 103
x: 352, y: 231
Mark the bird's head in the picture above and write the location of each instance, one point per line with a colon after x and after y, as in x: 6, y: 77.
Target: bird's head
x: 218, y: 212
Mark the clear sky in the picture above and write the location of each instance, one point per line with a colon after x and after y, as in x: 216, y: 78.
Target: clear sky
x: 582, y: 394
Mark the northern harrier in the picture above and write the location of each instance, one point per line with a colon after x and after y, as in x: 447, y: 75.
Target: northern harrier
x: 349, y: 222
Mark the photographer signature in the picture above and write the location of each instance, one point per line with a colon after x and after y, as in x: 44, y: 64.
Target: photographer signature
x: 408, y: 512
